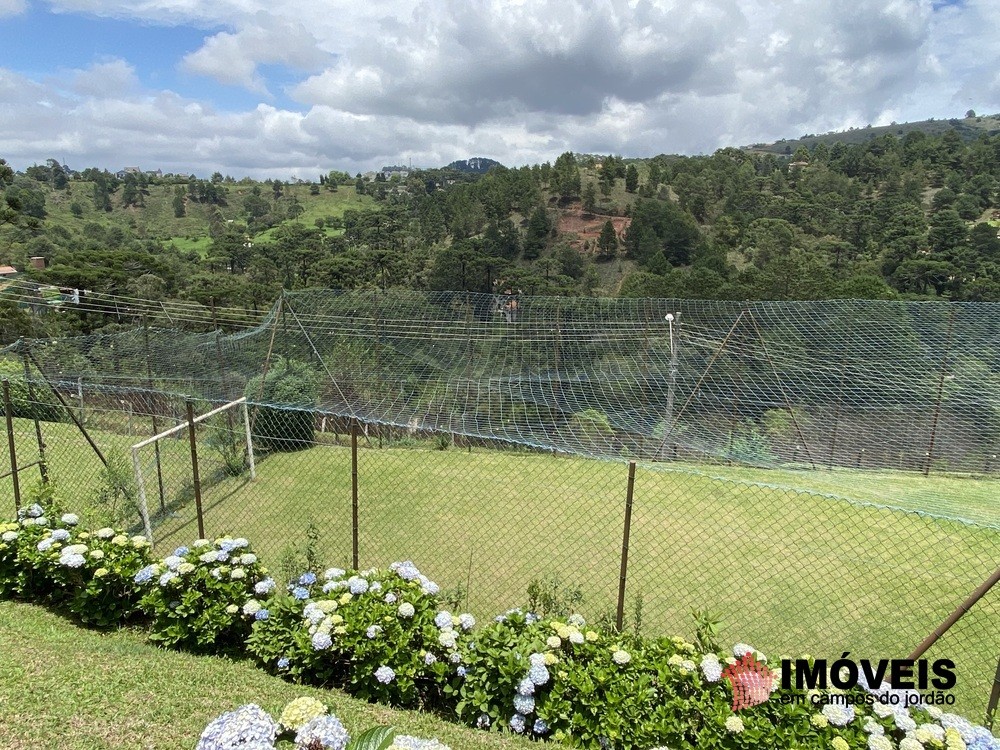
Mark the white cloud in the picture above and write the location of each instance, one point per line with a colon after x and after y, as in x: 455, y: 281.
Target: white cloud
x: 233, y: 57
x: 105, y: 80
x: 435, y: 80
x: 12, y: 7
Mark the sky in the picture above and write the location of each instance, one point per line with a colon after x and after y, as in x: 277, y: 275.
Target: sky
x: 295, y: 88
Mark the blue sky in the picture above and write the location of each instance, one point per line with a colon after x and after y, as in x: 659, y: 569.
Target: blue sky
x: 285, y: 87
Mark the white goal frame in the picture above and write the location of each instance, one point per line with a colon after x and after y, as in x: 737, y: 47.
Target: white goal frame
x: 137, y: 464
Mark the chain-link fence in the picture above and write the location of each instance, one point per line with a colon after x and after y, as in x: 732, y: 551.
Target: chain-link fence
x: 830, y: 549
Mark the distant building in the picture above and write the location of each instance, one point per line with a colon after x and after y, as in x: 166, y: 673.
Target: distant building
x: 38, y: 262
x: 401, y: 172
x: 120, y: 174
x: 8, y: 272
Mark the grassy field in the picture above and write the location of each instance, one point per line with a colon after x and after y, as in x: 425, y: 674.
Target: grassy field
x: 66, y: 687
x: 156, y: 217
x: 788, y: 571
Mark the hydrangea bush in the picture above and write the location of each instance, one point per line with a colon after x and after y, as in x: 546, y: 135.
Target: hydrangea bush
x: 308, y: 724
x: 383, y: 635
x: 91, y: 573
x: 377, y: 633
x: 195, y: 595
x: 571, y: 683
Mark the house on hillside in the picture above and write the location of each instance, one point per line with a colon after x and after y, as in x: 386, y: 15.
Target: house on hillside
x: 8, y: 274
x: 121, y: 173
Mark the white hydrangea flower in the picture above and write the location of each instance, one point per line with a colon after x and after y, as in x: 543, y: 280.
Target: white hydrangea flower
x: 406, y: 610
x: 621, y: 657
x: 734, y: 724
x: 104, y: 533
x: 711, y: 668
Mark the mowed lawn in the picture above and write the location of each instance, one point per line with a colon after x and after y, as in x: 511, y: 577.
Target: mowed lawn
x: 788, y: 571
x: 66, y: 687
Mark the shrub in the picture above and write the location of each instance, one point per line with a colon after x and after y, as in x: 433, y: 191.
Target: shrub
x: 44, y: 406
x: 377, y: 633
x: 290, y: 390
x: 194, y: 596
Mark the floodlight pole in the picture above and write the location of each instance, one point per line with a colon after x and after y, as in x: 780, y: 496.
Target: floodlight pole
x: 671, y: 385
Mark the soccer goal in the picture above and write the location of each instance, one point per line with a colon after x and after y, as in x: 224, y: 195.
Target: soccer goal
x: 239, y: 405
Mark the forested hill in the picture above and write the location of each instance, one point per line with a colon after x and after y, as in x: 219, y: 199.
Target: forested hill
x: 895, y: 216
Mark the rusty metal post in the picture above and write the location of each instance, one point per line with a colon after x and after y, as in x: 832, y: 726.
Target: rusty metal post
x: 152, y: 409
x: 43, y: 467
x: 192, y: 434
x: 9, y: 415
x: 620, y: 617
x: 991, y: 707
x: 69, y: 412
x: 354, y: 494
x: 955, y: 616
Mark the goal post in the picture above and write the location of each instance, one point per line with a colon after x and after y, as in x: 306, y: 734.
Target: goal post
x: 240, y: 403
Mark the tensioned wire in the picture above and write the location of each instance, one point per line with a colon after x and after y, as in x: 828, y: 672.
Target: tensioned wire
x: 848, y: 372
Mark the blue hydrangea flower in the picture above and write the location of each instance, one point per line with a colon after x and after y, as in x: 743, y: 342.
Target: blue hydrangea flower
x: 261, y: 614
x: 146, y: 574
x: 461, y: 671
x: 429, y: 658
x: 443, y: 619
x: 300, y: 593
x: 72, y: 561
x: 524, y: 704
x: 357, y: 585
x: 517, y: 723
x: 540, y: 727
x: 526, y: 687
x: 283, y: 662
x: 373, y: 630
x: 60, y: 535
x: 307, y: 579
x: 406, y: 570
x: 538, y: 674
x: 222, y: 556
x: 264, y: 587
x: 321, y: 641
x: 385, y: 674
x: 167, y: 577
x: 35, y: 511
x: 483, y: 722
x: 326, y: 730
x: 181, y: 551
x: 45, y: 544
x: 248, y: 726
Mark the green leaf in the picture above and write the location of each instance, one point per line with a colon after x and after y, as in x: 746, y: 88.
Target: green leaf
x: 376, y: 738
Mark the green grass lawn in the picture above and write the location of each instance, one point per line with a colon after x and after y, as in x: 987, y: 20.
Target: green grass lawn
x: 789, y: 571
x: 66, y: 687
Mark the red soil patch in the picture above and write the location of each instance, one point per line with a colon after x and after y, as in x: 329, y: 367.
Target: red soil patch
x: 587, y: 227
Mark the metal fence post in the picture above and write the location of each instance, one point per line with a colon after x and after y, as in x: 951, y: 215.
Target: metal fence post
x: 43, y: 468
x: 9, y: 415
x: 620, y: 617
x: 194, y: 467
x: 991, y: 707
x: 354, y: 494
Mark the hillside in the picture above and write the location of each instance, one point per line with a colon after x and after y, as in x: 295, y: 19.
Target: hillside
x: 905, y: 212
x: 969, y: 128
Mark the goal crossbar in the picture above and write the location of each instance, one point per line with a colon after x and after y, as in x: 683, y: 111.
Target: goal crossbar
x: 137, y: 464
